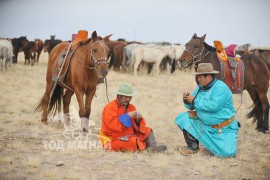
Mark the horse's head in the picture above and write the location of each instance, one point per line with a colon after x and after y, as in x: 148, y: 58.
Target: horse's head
x: 193, y: 52
x: 52, y: 37
x: 47, y: 45
x: 23, y: 41
x: 99, y: 52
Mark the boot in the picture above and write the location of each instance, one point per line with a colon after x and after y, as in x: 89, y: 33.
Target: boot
x: 151, y: 144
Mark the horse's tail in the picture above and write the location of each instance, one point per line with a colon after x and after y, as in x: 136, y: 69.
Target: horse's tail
x: 56, y: 99
x: 54, y: 103
x: 256, y: 111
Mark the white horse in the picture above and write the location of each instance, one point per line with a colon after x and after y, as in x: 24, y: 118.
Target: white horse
x: 127, y: 52
x: 6, y: 53
x: 151, y: 55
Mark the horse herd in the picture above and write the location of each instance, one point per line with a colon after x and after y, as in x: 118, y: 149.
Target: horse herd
x: 9, y: 49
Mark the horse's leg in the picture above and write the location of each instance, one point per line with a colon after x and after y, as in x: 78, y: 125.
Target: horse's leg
x: 38, y: 57
x: 157, y: 66
x: 3, y: 64
x: 256, y: 112
x: 6, y: 63
x: 88, y: 101
x: 66, y: 103
x: 136, y: 65
x: 9, y: 63
x: 82, y: 111
x: 44, y: 103
x: 169, y: 67
x: 265, y: 109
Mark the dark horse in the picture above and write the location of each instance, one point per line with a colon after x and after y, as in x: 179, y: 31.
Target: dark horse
x: 87, y: 65
x: 256, y: 77
x: 30, y: 53
x: 17, y: 44
x: 49, y: 44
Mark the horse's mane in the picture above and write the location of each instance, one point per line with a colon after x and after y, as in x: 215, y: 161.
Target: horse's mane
x: 89, y: 39
x: 210, y: 48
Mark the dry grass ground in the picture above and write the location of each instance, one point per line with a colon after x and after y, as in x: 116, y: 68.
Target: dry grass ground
x: 25, y: 154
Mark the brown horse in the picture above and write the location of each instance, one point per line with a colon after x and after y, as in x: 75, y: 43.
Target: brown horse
x: 39, y: 47
x: 49, y: 44
x: 30, y: 53
x: 18, y: 44
x: 256, y: 76
x: 264, y: 54
x: 87, y: 65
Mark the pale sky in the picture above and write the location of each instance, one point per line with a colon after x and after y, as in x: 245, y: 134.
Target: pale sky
x: 175, y: 21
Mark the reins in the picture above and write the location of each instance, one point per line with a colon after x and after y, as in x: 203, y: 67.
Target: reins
x: 106, y: 89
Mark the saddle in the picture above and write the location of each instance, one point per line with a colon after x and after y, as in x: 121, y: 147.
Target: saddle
x: 232, y: 69
x: 60, y: 64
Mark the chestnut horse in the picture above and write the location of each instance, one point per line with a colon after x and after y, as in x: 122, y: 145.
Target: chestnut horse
x: 39, y: 47
x: 87, y: 65
x: 256, y: 76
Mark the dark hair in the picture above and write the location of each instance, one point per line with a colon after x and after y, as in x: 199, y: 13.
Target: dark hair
x: 212, y: 75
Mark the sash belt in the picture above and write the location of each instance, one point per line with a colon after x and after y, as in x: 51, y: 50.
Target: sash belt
x: 223, y: 124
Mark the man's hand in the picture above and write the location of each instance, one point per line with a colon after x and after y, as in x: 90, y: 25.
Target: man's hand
x: 187, y: 97
x: 136, y: 115
x: 132, y: 114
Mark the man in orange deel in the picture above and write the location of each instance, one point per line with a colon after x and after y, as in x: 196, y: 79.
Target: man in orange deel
x: 123, y: 127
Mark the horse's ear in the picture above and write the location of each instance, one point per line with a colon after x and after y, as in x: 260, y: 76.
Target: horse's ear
x: 107, y: 38
x: 94, y: 36
x: 194, y: 35
x: 203, y: 37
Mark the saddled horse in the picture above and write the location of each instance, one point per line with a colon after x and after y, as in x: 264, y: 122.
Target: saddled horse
x: 39, y: 47
x: 6, y: 54
x: 49, y: 44
x: 88, y: 64
x: 256, y: 76
x: 18, y: 45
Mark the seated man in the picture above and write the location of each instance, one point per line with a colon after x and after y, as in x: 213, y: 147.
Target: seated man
x: 123, y: 128
x: 213, y: 123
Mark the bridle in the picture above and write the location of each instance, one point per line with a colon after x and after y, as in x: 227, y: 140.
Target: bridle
x: 102, y: 60
x: 194, y: 61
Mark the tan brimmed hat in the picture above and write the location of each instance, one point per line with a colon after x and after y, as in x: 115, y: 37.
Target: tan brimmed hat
x: 125, y: 89
x: 205, y: 68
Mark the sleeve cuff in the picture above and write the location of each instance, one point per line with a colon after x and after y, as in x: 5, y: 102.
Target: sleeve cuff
x: 125, y: 120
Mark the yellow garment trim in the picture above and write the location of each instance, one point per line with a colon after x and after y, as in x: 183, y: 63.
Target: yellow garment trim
x: 103, y: 139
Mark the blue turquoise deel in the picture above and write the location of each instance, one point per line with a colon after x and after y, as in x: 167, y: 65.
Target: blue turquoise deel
x: 213, y: 106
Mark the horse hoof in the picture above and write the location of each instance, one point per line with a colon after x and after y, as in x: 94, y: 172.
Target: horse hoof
x: 261, y: 130
x: 85, y: 130
x: 44, y: 122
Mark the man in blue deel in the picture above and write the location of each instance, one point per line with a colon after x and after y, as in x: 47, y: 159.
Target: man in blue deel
x: 210, y: 120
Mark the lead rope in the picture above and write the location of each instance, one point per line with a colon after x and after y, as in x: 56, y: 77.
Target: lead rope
x: 106, y: 89
x: 240, y: 102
